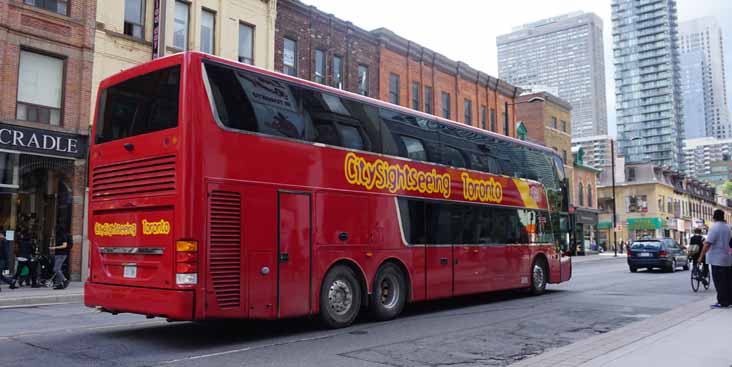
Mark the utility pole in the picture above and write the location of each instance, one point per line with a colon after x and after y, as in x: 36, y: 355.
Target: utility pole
x: 615, y: 233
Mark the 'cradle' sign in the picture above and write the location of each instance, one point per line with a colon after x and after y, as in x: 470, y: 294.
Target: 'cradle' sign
x: 42, y: 141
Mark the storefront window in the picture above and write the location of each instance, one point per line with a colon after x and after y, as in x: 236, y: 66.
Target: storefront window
x: 636, y: 204
x: 8, y: 170
x: 41, y: 199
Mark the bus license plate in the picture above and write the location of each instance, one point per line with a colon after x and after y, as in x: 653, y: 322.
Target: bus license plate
x: 130, y: 271
x: 644, y: 254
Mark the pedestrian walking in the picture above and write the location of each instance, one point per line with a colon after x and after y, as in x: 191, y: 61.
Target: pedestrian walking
x: 25, y: 260
x: 4, y: 256
x: 61, y: 253
x: 716, y: 250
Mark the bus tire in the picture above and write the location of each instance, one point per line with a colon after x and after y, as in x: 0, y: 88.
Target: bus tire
x: 390, y: 293
x: 340, y: 297
x: 539, y: 277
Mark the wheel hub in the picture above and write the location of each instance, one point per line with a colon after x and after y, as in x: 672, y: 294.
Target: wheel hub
x: 340, y: 297
x: 389, y: 289
x: 538, y: 276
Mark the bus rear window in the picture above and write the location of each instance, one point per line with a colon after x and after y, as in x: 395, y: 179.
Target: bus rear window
x: 140, y: 105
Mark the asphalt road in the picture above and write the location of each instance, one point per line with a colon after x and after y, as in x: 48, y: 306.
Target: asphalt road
x: 484, y: 330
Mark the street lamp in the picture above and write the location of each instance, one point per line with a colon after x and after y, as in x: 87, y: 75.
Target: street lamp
x: 615, y: 219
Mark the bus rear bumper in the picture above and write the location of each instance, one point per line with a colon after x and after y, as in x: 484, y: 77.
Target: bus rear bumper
x: 171, y: 304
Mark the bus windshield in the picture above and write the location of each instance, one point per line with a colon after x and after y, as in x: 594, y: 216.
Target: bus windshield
x: 140, y: 105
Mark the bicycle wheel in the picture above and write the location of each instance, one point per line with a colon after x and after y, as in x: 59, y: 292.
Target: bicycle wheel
x: 695, y: 279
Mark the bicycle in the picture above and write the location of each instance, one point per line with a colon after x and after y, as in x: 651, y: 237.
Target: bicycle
x: 698, y: 276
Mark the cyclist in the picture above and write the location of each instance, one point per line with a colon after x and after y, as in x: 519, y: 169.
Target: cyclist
x: 695, y: 245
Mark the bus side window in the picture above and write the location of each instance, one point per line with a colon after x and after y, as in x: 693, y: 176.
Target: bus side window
x: 351, y: 137
x: 452, y: 157
x: 326, y: 132
x: 413, y: 148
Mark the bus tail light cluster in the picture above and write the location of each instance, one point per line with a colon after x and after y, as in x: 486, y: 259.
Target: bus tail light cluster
x: 186, y: 262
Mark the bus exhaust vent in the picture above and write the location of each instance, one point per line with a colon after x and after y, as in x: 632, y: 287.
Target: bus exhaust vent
x: 224, y: 240
x: 148, y: 176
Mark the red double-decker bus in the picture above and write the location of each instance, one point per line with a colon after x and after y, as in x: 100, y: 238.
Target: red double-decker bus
x: 220, y: 190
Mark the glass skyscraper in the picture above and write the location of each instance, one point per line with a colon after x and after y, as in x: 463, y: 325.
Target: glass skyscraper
x: 647, y: 81
x: 562, y: 54
x: 702, y: 37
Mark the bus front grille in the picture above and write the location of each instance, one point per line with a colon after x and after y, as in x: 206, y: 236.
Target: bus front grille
x: 224, y: 240
x: 147, y: 176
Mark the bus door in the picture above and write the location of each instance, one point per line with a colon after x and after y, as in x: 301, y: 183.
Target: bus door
x: 294, y: 248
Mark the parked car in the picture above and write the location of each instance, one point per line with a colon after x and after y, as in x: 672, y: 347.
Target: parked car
x: 657, y: 253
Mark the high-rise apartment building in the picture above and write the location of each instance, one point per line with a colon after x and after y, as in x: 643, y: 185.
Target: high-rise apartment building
x: 597, y: 150
x: 704, y: 36
x: 566, y: 53
x: 700, y: 153
x: 692, y: 82
x: 647, y: 81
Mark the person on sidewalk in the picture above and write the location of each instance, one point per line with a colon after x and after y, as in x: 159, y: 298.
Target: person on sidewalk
x: 695, y: 245
x: 62, y: 249
x: 4, y: 255
x: 25, y: 260
x: 716, y: 250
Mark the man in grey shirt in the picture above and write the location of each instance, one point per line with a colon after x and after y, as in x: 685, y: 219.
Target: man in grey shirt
x: 716, y: 249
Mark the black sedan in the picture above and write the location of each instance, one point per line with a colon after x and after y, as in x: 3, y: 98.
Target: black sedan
x: 657, y: 253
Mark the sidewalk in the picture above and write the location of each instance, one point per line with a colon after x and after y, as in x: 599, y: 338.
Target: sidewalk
x: 691, y: 335
x: 31, y: 296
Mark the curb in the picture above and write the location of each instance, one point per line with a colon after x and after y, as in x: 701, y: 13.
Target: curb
x: 584, y: 351
x: 42, y: 299
x: 594, y: 258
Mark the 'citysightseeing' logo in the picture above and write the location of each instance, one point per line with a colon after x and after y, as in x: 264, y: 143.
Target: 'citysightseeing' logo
x: 487, y: 191
x: 115, y: 229
x: 393, y: 177
x: 151, y: 228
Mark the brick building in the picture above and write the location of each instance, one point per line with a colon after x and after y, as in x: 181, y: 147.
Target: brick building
x: 317, y: 46
x: 311, y: 44
x: 46, y: 53
x: 430, y: 82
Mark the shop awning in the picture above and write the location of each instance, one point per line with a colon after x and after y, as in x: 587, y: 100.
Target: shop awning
x: 645, y: 223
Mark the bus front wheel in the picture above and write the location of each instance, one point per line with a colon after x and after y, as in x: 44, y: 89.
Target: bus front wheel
x: 539, y: 277
x: 340, y: 297
x: 390, y: 293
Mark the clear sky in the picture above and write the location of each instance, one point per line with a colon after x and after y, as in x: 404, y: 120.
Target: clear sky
x: 466, y: 30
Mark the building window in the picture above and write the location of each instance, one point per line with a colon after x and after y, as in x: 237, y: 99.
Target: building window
x: 338, y: 72
x: 289, y: 57
x: 135, y: 18
x: 446, y: 105
x: 394, y: 88
x: 581, y: 195
x: 428, y: 100
x: 493, y: 119
x: 483, y: 117
x: 40, y: 88
x: 208, y: 24
x: 468, y: 111
x: 9, y: 170
x: 415, y: 96
x: 564, y: 156
x: 319, y: 67
x: 631, y: 174
x: 56, y: 6
x: 589, y: 196
x: 180, y: 26
x: 564, y: 126
x: 505, y: 119
x: 636, y: 204
x: 246, y: 43
x: 554, y: 122
x: 363, y: 80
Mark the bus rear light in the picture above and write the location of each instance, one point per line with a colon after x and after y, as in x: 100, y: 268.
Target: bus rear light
x: 186, y: 262
x: 185, y: 267
x: 186, y: 246
x: 186, y: 279
x: 186, y: 257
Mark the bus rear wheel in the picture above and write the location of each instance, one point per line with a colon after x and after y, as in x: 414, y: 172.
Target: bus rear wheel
x: 539, y: 277
x: 340, y: 297
x: 390, y: 293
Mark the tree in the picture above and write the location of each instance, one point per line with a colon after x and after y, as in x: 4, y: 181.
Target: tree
x: 727, y: 189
